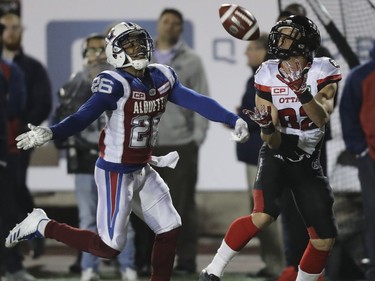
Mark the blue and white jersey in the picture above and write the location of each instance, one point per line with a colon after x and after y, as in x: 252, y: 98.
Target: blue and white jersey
x: 134, y: 106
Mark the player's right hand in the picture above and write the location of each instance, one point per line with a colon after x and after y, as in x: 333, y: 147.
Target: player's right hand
x: 37, y: 136
x: 294, y: 76
x: 262, y: 117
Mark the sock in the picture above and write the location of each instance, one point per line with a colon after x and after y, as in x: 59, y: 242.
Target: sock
x: 313, y: 260
x: 240, y: 233
x: 163, y: 254
x: 223, y: 256
x: 82, y: 240
x: 304, y: 276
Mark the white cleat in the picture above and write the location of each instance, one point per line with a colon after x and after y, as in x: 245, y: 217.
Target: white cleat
x: 26, y: 229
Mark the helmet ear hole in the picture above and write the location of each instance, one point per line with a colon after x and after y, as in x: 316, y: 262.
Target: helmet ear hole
x: 117, y: 59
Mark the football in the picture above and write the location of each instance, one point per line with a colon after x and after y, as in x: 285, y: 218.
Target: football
x: 239, y: 22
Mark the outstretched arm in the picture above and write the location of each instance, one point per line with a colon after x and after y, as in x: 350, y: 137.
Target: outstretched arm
x: 203, y: 105
x: 87, y: 113
x: 210, y: 109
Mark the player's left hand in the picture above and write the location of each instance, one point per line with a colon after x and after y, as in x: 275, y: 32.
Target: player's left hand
x: 294, y: 76
x: 241, y: 132
x: 262, y: 117
x: 37, y: 136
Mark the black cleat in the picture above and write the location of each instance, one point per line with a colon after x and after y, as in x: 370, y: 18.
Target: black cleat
x: 204, y: 276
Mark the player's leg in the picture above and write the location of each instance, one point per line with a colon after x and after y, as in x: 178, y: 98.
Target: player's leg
x: 37, y: 224
x: 314, y: 199
x: 267, y: 190
x: 113, y: 218
x: 153, y: 204
x: 270, y: 238
x: 295, y: 237
x: 182, y: 185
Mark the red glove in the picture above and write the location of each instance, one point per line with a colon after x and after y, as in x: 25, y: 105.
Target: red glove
x: 295, y: 78
x: 262, y: 117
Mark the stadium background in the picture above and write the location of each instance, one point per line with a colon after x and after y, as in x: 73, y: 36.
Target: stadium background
x: 54, y: 31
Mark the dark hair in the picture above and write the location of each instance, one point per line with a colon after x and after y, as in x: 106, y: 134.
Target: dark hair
x: 296, y: 9
x: 175, y: 12
x: 88, y: 38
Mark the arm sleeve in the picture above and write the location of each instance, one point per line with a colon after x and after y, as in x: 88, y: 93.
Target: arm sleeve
x: 330, y: 73
x: 350, y: 106
x: 261, y: 80
x: 201, y: 104
x: 88, y: 112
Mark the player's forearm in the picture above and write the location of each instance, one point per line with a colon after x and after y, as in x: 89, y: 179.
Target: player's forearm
x: 204, y: 105
x: 273, y: 140
x: 316, y: 112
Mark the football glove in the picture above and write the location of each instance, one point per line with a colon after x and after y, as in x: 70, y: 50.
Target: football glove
x: 37, y: 136
x: 295, y: 79
x: 262, y: 117
x: 241, y: 132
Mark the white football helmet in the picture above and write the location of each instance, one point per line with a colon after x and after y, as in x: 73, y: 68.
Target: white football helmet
x: 116, y: 39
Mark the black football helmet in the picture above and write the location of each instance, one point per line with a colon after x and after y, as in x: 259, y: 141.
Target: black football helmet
x: 304, y: 34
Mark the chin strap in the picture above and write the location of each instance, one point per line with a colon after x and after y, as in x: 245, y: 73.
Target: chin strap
x: 140, y: 64
x: 137, y: 64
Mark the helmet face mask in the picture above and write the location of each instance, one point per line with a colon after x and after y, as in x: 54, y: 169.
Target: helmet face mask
x: 294, y: 36
x: 129, y: 45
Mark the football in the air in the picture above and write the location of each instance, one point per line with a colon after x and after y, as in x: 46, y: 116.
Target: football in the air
x: 239, y: 22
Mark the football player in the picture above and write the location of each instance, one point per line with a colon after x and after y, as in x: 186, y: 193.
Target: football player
x: 134, y: 97
x: 294, y: 100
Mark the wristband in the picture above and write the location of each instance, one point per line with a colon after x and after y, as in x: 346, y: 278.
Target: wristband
x: 269, y: 130
x: 305, y: 97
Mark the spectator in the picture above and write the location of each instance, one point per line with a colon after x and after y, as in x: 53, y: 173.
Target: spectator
x: 82, y: 152
x: 13, y: 85
x: 134, y: 97
x: 181, y: 130
x: 37, y: 109
x: 357, y: 115
x: 271, y: 245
